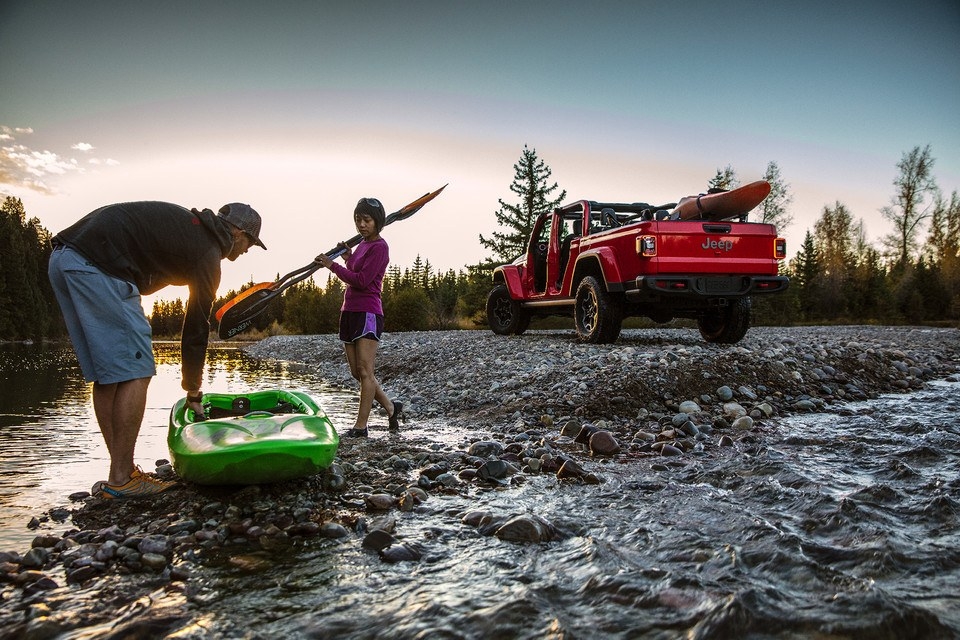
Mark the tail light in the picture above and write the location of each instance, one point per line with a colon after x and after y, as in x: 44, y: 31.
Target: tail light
x: 647, y: 246
x: 780, y: 248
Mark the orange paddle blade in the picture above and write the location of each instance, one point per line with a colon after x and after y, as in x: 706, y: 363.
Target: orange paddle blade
x: 252, y: 291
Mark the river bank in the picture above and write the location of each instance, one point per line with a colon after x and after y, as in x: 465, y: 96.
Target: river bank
x: 484, y: 413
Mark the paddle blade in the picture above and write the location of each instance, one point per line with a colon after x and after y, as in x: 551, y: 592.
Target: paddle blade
x: 239, y: 299
x: 414, y: 206
x: 238, y: 314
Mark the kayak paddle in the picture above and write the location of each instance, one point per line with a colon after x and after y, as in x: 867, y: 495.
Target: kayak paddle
x: 238, y: 313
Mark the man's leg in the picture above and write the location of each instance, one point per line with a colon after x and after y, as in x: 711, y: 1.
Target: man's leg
x: 119, y: 408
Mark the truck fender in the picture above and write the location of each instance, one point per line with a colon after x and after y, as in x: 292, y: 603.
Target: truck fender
x: 603, y: 258
x: 510, y: 276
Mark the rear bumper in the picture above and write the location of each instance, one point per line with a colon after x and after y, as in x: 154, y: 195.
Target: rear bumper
x: 706, y: 286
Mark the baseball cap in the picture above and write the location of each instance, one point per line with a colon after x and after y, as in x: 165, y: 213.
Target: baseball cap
x: 243, y: 217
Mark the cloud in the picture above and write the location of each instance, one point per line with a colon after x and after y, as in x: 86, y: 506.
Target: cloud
x: 23, y: 166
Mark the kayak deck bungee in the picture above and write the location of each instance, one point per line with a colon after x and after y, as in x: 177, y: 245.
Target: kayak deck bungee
x: 251, y: 438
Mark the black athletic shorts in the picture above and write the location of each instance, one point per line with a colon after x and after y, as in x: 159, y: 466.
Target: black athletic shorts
x: 360, y: 324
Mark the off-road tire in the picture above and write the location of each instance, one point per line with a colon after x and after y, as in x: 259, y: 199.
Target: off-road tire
x: 726, y: 325
x: 504, y: 314
x: 597, y: 315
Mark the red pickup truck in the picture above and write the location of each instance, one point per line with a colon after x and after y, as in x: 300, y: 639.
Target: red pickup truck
x: 602, y: 262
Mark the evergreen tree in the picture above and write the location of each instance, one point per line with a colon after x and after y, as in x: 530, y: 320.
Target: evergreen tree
x: 531, y: 183
x: 774, y: 209
x: 805, y: 276
x: 943, y: 248
x: 26, y: 299
x: 724, y: 179
x: 833, y: 234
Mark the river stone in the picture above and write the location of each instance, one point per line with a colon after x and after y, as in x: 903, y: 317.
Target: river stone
x: 570, y: 469
x: 155, y: 544
x: 380, y: 501
x: 378, y: 540
x: 333, y: 530
x: 725, y: 393
x: 525, y: 528
x: 154, y: 561
x: 743, y: 423
x: 670, y: 450
x: 602, y: 443
x: 485, y: 449
x: 36, y: 557
x: 583, y: 437
x: 689, y: 406
x: 493, y: 470
x: 571, y: 428
x: 401, y: 552
x: 733, y: 410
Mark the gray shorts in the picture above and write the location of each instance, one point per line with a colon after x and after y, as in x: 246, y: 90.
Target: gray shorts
x: 109, y: 331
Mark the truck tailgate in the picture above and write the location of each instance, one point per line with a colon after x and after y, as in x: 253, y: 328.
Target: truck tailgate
x: 714, y: 247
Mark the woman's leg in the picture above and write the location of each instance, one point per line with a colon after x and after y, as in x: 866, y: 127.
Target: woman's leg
x: 362, y: 359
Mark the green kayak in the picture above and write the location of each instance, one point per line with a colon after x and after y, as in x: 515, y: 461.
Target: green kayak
x: 252, y: 438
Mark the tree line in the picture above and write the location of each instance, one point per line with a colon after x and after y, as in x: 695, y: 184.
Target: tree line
x: 837, y: 276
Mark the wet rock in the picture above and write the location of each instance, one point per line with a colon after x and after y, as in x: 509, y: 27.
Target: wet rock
x: 403, y: 552
x: 602, y: 443
x: 526, y: 528
x: 493, y: 470
x: 36, y: 558
x: 485, y: 449
x: 377, y: 540
x: 333, y: 530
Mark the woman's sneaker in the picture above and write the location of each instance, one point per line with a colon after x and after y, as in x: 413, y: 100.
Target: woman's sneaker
x: 140, y: 484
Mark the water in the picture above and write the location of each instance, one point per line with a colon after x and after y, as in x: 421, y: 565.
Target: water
x: 831, y: 526
x: 50, y: 444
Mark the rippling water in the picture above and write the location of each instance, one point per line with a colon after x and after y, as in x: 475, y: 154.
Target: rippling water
x: 50, y: 444
x: 825, y: 526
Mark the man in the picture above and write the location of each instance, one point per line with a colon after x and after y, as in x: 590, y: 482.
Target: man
x: 99, y: 268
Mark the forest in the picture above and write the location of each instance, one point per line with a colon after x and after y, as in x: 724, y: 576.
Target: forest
x: 836, y: 275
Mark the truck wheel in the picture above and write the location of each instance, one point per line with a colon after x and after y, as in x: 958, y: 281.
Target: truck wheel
x: 597, y: 314
x: 504, y: 313
x: 726, y: 325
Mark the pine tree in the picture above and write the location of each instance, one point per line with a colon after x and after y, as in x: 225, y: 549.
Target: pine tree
x: 725, y: 179
x: 531, y: 184
x: 806, y: 269
x: 774, y: 209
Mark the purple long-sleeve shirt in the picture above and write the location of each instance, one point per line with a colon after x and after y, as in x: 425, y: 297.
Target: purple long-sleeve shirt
x: 363, y: 274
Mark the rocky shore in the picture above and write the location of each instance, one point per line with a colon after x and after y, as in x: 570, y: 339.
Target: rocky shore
x: 482, y: 411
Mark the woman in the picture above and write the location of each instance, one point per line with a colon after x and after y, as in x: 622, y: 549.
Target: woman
x: 361, y: 316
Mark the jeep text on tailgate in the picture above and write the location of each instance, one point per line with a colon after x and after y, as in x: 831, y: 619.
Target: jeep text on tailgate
x: 602, y: 262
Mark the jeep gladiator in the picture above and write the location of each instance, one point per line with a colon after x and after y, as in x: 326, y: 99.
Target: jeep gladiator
x: 601, y: 262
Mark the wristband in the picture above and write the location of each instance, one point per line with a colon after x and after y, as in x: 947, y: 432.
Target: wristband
x: 196, y: 398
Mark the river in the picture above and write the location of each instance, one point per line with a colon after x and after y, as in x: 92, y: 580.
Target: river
x: 838, y: 525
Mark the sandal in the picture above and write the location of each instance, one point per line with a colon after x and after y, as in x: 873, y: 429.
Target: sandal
x: 397, y: 416
x: 356, y: 433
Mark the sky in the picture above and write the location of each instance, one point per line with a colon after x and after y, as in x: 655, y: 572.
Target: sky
x: 300, y: 108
